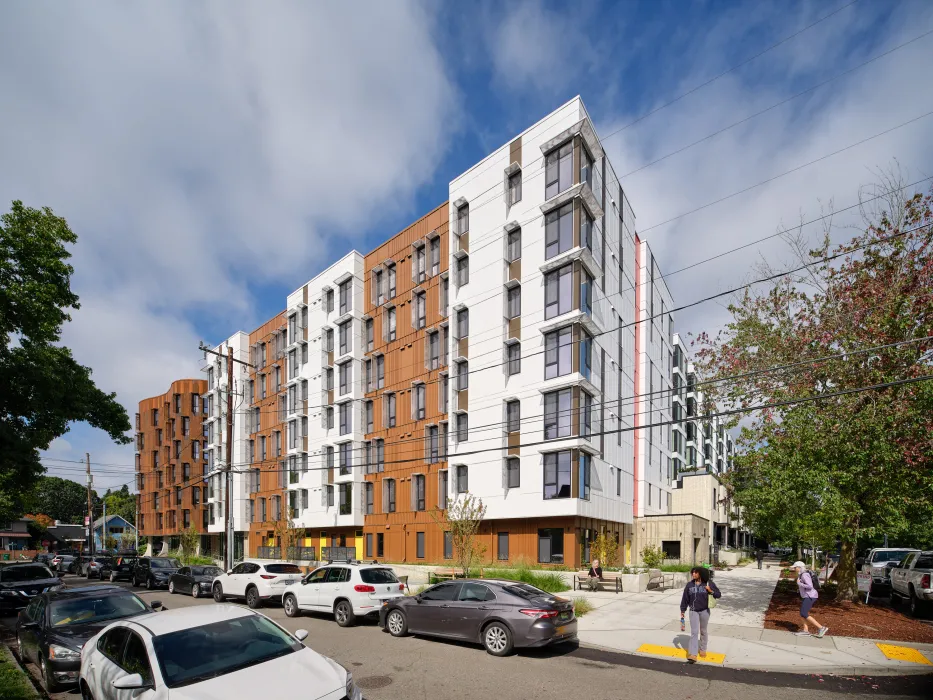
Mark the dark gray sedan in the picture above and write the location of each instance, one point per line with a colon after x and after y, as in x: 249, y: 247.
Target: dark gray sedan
x: 500, y: 615
x: 195, y: 580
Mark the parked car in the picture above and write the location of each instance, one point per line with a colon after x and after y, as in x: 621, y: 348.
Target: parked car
x: 880, y: 561
x: 20, y: 583
x: 209, y: 652
x: 194, y: 580
x: 44, y: 558
x: 345, y: 590
x: 256, y: 582
x: 92, y: 566
x: 500, y: 615
x: 911, y: 581
x: 55, y: 626
x: 154, y: 572
x: 120, y: 568
x: 62, y: 563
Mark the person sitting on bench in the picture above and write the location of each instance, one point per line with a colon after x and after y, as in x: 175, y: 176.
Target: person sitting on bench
x: 595, y: 574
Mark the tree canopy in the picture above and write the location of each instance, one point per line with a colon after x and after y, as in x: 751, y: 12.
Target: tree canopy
x: 860, y: 315
x: 42, y: 388
x: 122, y: 503
x: 62, y: 499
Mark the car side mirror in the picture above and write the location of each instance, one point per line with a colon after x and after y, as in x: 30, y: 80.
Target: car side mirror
x: 301, y: 635
x: 156, y: 605
x: 229, y: 571
x: 133, y: 681
x: 417, y: 598
x: 29, y: 624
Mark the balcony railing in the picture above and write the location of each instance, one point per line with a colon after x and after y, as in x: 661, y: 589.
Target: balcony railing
x: 338, y: 553
x: 301, y: 553
x: 269, y: 552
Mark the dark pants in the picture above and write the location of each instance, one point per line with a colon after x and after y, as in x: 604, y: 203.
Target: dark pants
x: 759, y: 563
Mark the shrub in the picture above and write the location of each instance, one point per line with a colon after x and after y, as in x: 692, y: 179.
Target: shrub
x: 581, y: 606
x: 605, y: 548
x: 545, y: 580
x: 676, y: 567
x: 652, y: 557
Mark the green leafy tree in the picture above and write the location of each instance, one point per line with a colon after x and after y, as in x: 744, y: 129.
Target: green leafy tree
x: 42, y: 388
x: 122, y: 503
x: 61, y: 499
x: 849, y: 466
x: 463, y: 519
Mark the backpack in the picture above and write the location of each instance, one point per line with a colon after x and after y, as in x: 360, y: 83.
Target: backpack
x: 814, y: 580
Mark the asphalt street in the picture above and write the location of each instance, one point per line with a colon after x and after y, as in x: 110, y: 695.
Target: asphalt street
x: 400, y: 669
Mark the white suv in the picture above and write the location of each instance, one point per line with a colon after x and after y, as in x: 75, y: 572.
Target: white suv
x: 257, y: 582
x: 347, y: 590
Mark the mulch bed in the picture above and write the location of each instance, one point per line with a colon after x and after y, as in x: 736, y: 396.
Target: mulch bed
x: 877, y: 620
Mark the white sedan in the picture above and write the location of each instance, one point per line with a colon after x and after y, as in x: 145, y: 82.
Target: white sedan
x: 207, y: 652
x: 256, y: 582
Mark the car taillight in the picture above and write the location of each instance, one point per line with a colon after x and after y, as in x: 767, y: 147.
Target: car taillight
x: 266, y: 576
x: 539, y: 614
x: 363, y: 588
x: 925, y: 581
x: 401, y: 586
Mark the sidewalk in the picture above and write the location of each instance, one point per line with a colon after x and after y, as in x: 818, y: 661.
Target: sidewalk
x: 649, y: 623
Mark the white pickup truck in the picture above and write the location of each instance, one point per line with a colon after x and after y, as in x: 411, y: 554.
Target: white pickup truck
x: 911, y: 581
x: 880, y: 561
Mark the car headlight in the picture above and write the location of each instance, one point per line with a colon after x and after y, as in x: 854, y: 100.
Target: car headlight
x: 205, y: 584
x: 57, y: 651
x: 353, y: 693
x: 9, y: 593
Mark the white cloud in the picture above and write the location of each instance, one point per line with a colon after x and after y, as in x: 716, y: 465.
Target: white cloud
x: 196, y: 146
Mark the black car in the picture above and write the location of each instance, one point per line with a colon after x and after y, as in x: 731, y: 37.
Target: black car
x: 20, y: 583
x: 120, y: 568
x: 195, y: 580
x: 52, y: 630
x: 500, y: 615
x: 154, y: 572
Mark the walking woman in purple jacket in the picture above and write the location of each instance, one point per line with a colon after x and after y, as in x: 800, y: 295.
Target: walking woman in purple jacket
x: 808, y: 595
x: 696, y: 599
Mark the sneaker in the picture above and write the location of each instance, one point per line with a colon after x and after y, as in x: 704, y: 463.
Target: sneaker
x: 702, y: 654
x: 822, y: 632
x: 691, y: 659
x: 803, y: 633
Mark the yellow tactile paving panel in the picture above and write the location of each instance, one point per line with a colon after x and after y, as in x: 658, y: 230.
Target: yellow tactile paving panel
x: 897, y: 653
x: 675, y: 653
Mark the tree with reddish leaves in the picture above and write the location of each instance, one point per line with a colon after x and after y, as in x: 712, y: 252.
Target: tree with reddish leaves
x: 847, y: 466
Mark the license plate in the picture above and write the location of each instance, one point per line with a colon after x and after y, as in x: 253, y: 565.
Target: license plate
x: 561, y: 630
x: 564, y: 616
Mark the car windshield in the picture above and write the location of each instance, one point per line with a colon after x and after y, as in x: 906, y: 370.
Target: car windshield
x: 25, y: 573
x: 80, y: 611
x: 378, y: 576
x: 165, y: 564
x: 205, y: 571
x: 200, y: 653
x: 893, y: 555
x: 283, y: 569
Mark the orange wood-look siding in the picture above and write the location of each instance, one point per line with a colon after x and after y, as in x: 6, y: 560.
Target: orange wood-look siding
x: 171, y: 467
x: 405, y: 360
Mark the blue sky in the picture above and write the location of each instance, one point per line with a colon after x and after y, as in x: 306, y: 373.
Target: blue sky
x: 214, y: 156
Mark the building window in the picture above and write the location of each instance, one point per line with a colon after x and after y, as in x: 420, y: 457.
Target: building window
x: 515, y: 188
x: 463, y: 484
x: 513, y: 473
x: 369, y: 416
x: 431, y: 447
x: 513, y: 250
x: 343, y: 372
x: 463, y: 219
x: 380, y: 372
x: 513, y: 354
x: 419, y: 266
x: 513, y: 307
x: 419, y: 548
x: 369, y: 491
x: 442, y: 489
x: 346, y: 417
x: 368, y: 551
x: 328, y: 418
x: 435, y: 256
x: 463, y: 375
x: 343, y: 338
x: 551, y: 546
x: 463, y: 323
x: 558, y: 170
x: 463, y: 271
x: 558, y: 411
x: 346, y: 499
x: 420, y: 310
x: 443, y: 393
x: 586, y: 293
x: 328, y: 338
x: 346, y: 300
x: 391, y: 271
x: 346, y: 458
x: 586, y: 412
x: 379, y: 454
x: 558, y: 292
x: 557, y: 467
x: 377, y: 285
x: 418, y: 492
x: 330, y: 496
x: 370, y: 336
x: 390, y: 410
x: 444, y: 292
x: 557, y: 353
x: 513, y: 416
x: 463, y: 427
x: 585, y: 467
x: 390, y: 323
x: 420, y: 396
x: 434, y: 350
x: 502, y: 546
x: 448, y: 545
x: 389, y: 490
x: 380, y: 544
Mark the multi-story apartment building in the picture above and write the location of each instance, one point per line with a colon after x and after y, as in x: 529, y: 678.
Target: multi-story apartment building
x: 170, y: 463
x: 516, y: 343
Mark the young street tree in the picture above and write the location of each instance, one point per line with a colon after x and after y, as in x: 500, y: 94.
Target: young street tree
x: 42, y: 388
x: 854, y: 465
x: 462, y: 519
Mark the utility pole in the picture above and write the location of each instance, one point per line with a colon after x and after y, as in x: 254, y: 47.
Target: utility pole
x: 228, y: 474
x: 90, y: 506
x: 103, y: 530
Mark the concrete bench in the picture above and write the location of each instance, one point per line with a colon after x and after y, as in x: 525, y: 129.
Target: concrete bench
x: 610, y: 578
x: 659, y: 579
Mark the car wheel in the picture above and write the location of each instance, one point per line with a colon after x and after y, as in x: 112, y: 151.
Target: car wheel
x: 86, y: 692
x: 218, y: 593
x: 917, y: 608
x: 252, y: 598
x: 291, y: 606
x: 343, y: 613
x: 171, y: 587
x: 497, y: 639
x: 47, y: 679
x: 196, y: 590
x: 21, y: 649
x: 892, y: 598
x: 397, y: 624
x: 113, y: 577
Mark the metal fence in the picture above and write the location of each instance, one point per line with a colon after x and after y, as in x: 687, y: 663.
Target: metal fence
x: 269, y: 552
x: 301, y: 553
x: 338, y: 553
